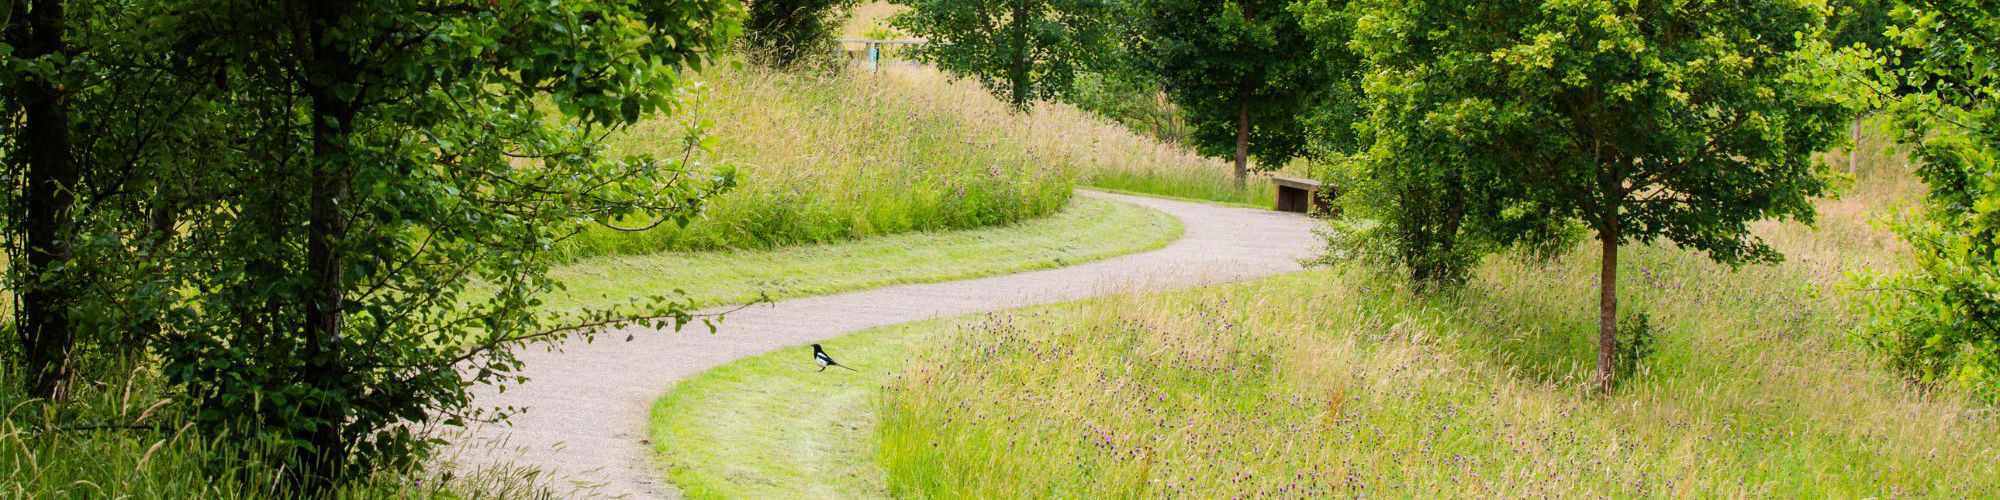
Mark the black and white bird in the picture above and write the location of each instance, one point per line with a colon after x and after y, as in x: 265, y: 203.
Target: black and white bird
x: 819, y: 356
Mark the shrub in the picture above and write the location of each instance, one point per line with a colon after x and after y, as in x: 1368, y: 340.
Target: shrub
x: 1939, y: 322
x: 786, y: 33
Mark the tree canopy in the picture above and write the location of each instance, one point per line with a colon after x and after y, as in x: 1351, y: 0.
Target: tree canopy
x: 1021, y: 50
x: 1241, y: 70
x: 784, y: 33
x: 1937, y: 321
x: 1522, y: 122
x: 329, y: 219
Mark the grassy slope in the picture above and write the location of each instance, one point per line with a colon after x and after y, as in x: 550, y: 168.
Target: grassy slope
x: 1104, y: 153
x: 825, y: 158
x: 1089, y: 229
x: 1107, y: 154
x: 1335, y: 380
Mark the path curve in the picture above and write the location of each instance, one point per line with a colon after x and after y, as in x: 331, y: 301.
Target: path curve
x: 587, y: 405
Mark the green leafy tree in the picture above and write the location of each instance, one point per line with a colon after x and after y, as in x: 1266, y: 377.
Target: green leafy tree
x: 784, y: 33
x: 86, y: 126
x: 1635, y: 121
x: 41, y: 156
x: 1859, y: 22
x: 373, y: 239
x: 1239, y: 69
x: 1940, y: 320
x: 1021, y: 50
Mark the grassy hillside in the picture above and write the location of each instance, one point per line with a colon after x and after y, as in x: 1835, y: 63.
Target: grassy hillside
x: 1338, y: 381
x: 826, y: 158
x: 831, y: 157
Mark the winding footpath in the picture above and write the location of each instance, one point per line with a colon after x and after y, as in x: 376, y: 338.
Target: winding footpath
x: 586, y: 405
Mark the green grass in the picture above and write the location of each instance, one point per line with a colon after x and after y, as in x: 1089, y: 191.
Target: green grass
x: 770, y: 427
x: 168, y: 460
x: 698, y: 427
x: 143, y: 450
x: 1089, y: 229
x: 1338, y: 381
x: 823, y: 158
x: 826, y: 158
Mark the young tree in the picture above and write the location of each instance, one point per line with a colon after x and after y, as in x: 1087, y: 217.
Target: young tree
x: 374, y: 239
x: 1858, y: 23
x: 1240, y: 71
x: 783, y: 33
x: 1637, y: 121
x: 1940, y: 320
x: 1021, y: 50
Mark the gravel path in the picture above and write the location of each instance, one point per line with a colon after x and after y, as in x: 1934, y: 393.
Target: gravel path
x: 587, y: 405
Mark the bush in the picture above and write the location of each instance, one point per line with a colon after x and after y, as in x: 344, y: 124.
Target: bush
x: 1940, y: 321
x: 787, y: 33
x: 140, y: 443
x: 1638, y: 344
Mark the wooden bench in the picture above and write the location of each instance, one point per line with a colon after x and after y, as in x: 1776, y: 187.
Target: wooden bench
x: 1299, y: 195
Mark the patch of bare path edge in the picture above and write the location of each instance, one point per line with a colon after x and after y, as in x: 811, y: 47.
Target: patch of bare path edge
x: 587, y: 405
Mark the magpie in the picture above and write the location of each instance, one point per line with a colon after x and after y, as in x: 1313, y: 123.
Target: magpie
x: 819, y: 356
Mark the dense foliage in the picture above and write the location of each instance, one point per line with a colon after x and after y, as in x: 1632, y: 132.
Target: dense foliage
x: 1520, y: 122
x: 1940, y: 321
x: 784, y: 33
x: 1240, y: 70
x: 336, y: 178
x: 1023, y: 50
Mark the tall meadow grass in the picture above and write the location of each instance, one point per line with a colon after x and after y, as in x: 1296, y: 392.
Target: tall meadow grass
x: 828, y: 157
x: 1338, y: 381
x: 824, y: 158
x: 1104, y: 153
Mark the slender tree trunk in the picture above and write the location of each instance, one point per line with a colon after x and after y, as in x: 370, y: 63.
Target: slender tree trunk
x: 1856, y: 136
x: 52, y: 178
x: 325, y: 261
x: 1242, y: 140
x: 1607, y: 307
x: 326, y: 227
x: 1017, y: 71
x: 160, y: 218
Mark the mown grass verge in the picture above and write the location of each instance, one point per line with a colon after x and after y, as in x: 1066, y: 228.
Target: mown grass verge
x: 771, y: 427
x: 1089, y: 229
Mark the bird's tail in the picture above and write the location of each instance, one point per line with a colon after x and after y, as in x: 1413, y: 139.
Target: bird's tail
x: 847, y: 367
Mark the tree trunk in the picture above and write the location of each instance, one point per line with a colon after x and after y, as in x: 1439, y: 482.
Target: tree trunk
x: 1242, y: 140
x: 1017, y: 69
x: 325, y: 227
x: 51, y: 181
x: 1607, y: 307
x: 1856, y: 136
x: 160, y: 223
x: 326, y: 261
